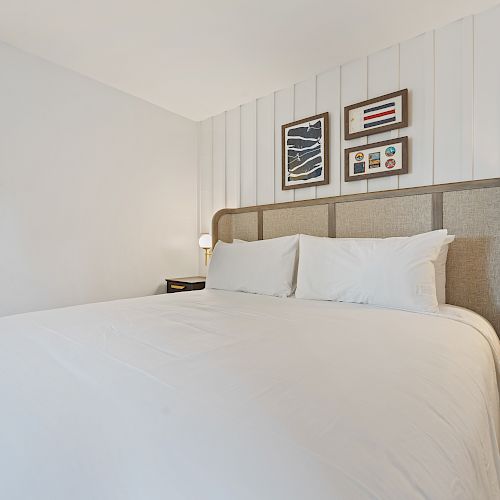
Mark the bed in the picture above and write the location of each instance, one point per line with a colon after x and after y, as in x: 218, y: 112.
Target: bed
x: 219, y: 395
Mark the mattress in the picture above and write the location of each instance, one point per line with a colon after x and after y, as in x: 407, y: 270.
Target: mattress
x: 215, y: 395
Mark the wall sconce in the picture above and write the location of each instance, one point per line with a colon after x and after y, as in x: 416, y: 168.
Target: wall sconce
x: 205, y: 242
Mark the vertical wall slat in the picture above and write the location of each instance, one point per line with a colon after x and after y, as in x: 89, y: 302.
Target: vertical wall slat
x: 383, y: 77
x: 419, y: 80
x: 487, y: 94
x: 248, y: 173
x: 265, y: 150
x: 283, y: 113
x: 453, y: 102
x: 219, y: 162
x: 233, y: 138
x: 353, y: 79
x: 328, y: 99
x: 206, y: 175
x: 467, y: 78
x: 305, y: 105
x: 205, y: 182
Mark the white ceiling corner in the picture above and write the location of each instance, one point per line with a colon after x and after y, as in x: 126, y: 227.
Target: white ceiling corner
x: 198, y: 58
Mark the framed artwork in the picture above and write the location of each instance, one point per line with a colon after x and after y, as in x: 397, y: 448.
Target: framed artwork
x: 305, y: 152
x: 376, y: 160
x: 387, y: 112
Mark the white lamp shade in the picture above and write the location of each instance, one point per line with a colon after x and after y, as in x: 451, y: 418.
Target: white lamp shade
x: 205, y: 241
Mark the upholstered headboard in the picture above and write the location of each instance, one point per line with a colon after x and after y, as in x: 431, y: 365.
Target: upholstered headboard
x: 469, y: 210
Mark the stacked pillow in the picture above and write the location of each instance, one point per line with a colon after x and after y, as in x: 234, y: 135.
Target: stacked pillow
x: 406, y: 273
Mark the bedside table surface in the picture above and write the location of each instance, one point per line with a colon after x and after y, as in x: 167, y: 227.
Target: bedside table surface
x: 189, y: 279
x: 188, y: 284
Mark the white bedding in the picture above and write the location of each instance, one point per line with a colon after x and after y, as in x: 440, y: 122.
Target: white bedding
x: 216, y: 395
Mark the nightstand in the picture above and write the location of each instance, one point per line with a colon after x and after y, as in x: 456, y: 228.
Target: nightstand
x: 185, y: 284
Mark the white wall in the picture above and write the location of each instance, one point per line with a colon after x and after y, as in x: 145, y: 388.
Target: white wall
x: 453, y: 74
x: 98, y: 190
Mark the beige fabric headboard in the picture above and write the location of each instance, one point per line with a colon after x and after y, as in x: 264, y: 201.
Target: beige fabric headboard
x: 469, y: 210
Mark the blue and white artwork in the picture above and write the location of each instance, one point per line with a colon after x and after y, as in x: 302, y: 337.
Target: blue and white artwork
x: 305, y: 152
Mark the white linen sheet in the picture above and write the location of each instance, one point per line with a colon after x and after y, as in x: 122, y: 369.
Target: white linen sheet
x: 216, y: 395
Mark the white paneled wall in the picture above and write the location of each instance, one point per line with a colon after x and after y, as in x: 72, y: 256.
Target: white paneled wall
x: 233, y: 145
x: 486, y: 95
x: 453, y: 112
x: 453, y: 77
x: 205, y: 165
x: 283, y: 113
x: 248, y: 154
x: 265, y: 150
x: 219, y: 162
x: 419, y: 80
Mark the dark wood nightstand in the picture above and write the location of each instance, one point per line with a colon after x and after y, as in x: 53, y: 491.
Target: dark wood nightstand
x: 185, y: 284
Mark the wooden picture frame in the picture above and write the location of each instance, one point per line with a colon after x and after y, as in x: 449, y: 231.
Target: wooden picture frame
x: 312, y: 169
x: 377, y: 115
x: 391, y: 152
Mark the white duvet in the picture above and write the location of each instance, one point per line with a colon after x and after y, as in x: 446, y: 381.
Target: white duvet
x: 217, y: 395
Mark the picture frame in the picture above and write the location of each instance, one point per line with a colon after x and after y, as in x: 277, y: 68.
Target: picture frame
x: 383, y: 158
x: 305, y: 147
x: 377, y: 115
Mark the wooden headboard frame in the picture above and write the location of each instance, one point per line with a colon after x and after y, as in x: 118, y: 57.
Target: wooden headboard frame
x: 471, y: 210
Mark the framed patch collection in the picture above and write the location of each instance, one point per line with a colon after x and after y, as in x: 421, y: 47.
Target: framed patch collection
x: 305, y: 146
x: 376, y: 160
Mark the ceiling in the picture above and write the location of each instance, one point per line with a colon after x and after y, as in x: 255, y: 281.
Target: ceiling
x: 200, y: 57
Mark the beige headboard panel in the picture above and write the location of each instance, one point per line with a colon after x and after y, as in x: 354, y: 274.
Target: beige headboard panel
x: 311, y: 220
x: 405, y: 216
x: 470, y: 210
x: 240, y: 226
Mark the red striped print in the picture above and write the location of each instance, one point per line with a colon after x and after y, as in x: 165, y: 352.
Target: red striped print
x: 384, y: 113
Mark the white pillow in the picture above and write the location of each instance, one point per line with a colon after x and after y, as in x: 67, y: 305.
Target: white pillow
x: 266, y: 267
x: 391, y: 272
x: 440, y: 267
